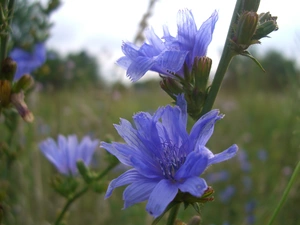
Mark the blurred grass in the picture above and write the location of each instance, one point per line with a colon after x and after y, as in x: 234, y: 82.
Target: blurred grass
x: 254, y: 120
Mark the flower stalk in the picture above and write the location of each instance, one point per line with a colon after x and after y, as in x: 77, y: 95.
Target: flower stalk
x: 225, y: 60
x: 285, y: 193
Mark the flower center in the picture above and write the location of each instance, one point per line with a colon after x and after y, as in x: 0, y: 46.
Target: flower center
x: 170, y: 159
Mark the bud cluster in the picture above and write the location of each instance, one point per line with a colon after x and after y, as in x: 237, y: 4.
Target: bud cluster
x: 194, y: 85
x: 12, y: 93
x: 250, y: 28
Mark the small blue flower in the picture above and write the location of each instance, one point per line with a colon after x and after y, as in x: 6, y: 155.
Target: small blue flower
x: 164, y: 156
x: 227, y: 193
x: 67, y: 151
x: 217, y: 177
x: 28, y: 61
x: 168, y: 56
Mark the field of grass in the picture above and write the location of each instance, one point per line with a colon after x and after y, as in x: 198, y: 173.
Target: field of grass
x: 265, y: 126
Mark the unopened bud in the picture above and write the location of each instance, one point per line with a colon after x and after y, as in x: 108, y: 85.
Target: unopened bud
x: 267, y: 24
x: 24, y: 83
x: 84, y: 172
x: 17, y: 99
x: 5, y: 92
x: 201, y: 68
x: 246, y: 28
x: 8, y: 69
x: 171, y: 87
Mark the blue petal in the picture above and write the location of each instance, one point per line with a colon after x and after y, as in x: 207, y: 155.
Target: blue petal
x: 130, y: 135
x: 204, y: 35
x: 51, y: 152
x: 164, y: 192
x: 147, y: 167
x: 181, y: 102
x: 171, y: 60
x: 203, y: 128
x: 128, y: 177
x: 130, y: 50
x: 175, y: 127
x: 139, y: 67
x: 186, y: 29
x: 225, y: 155
x: 138, y: 191
x: 71, y: 152
x: 193, y: 185
x: 86, y: 149
x: 124, y: 62
x: 149, y: 51
x: 154, y: 40
x: 195, y: 164
x: 147, y: 131
x: 121, y: 151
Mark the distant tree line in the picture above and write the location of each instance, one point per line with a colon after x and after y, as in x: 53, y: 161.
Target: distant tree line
x: 75, y: 70
x: 280, y: 73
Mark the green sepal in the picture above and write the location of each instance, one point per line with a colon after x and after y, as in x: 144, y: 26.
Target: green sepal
x: 247, y: 54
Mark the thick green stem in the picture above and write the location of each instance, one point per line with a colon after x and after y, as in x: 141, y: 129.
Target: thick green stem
x: 173, y: 214
x: 285, y: 193
x: 226, y: 57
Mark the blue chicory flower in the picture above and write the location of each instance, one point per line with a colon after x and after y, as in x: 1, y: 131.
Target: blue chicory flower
x: 28, y: 61
x: 168, y: 56
x: 227, y: 193
x: 68, y: 151
x: 164, y: 156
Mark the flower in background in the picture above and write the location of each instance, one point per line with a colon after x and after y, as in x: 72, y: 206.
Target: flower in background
x: 217, y: 177
x: 227, y: 193
x: 65, y: 153
x: 28, y: 61
x: 165, y: 158
x: 244, y: 162
x: 169, y: 56
x: 262, y: 155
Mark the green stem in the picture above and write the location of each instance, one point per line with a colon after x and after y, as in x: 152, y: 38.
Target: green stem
x: 78, y: 194
x: 285, y: 194
x: 7, y: 10
x: 68, y: 204
x: 173, y: 214
x: 226, y: 57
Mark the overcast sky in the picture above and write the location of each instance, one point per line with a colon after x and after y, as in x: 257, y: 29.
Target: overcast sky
x: 100, y: 25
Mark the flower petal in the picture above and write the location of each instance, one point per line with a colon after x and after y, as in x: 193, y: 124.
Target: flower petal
x: 194, y: 165
x: 204, y: 36
x: 186, y: 29
x: 121, y: 151
x: 130, y: 135
x: 138, y: 191
x: 175, y: 127
x: 130, y: 50
x: 203, y: 128
x: 124, y: 62
x: 170, y: 61
x: 164, y: 192
x: 225, y: 155
x: 128, y: 177
x: 193, y: 185
x: 154, y: 40
x: 139, y: 67
x: 181, y: 102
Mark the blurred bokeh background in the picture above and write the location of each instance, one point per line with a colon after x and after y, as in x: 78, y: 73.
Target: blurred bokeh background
x: 80, y: 90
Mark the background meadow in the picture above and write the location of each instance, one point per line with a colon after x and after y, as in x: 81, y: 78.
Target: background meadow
x: 80, y: 93
x: 262, y: 120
